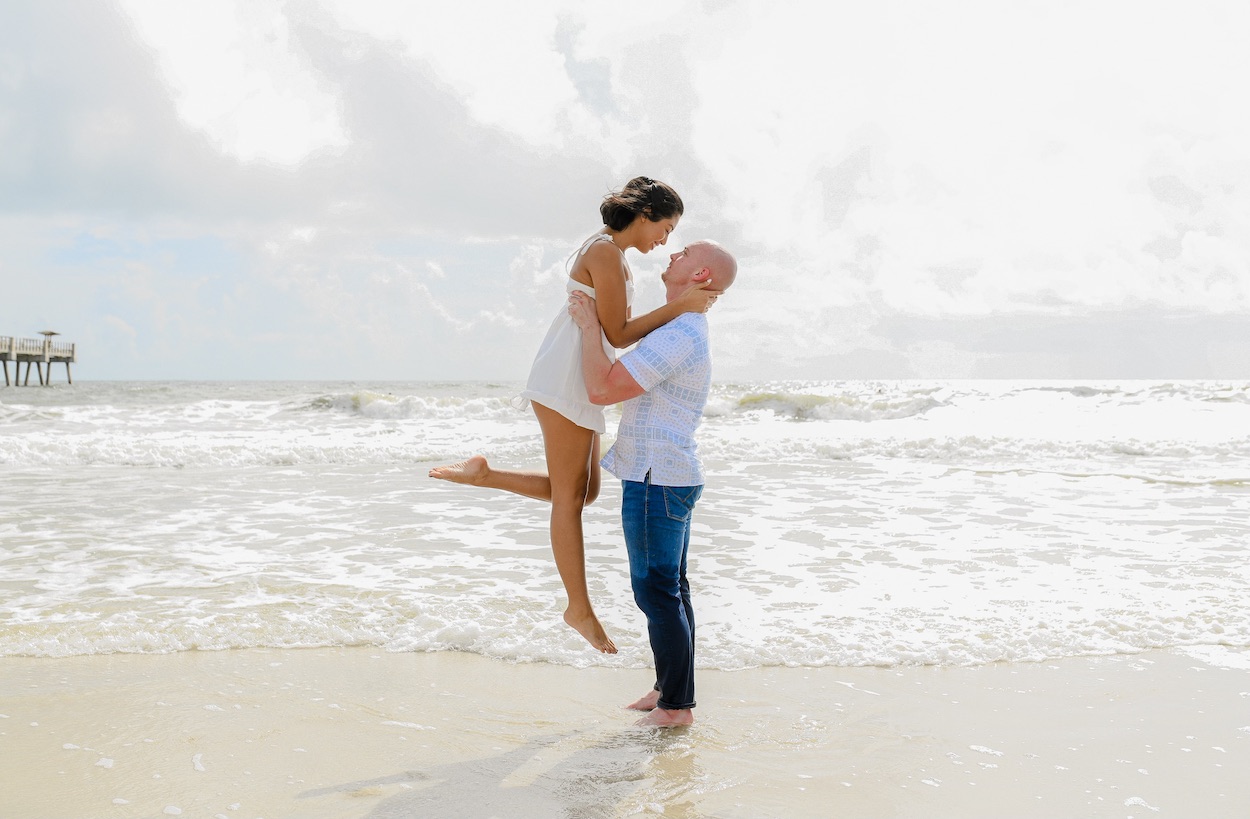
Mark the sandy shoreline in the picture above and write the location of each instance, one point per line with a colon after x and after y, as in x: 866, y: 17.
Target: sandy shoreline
x: 363, y: 733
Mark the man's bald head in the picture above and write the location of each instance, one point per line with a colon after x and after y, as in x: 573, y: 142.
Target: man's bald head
x: 720, y: 262
x: 699, y: 263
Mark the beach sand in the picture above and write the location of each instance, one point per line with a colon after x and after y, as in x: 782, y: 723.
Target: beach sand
x: 358, y: 732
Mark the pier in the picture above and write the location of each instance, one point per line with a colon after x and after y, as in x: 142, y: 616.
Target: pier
x: 32, y: 351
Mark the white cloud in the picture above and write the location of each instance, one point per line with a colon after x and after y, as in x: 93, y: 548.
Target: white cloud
x: 499, y: 56
x: 1006, y: 142
x: 118, y: 325
x: 235, y: 76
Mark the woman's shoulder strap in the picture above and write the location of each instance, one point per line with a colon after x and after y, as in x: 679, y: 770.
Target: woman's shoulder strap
x: 587, y: 245
x: 598, y: 237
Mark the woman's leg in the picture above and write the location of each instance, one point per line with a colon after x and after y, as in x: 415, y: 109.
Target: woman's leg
x: 573, y: 481
x: 592, y: 485
x: 571, y: 466
x: 476, y: 471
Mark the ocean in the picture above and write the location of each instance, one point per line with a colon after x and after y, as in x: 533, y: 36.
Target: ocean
x: 843, y: 523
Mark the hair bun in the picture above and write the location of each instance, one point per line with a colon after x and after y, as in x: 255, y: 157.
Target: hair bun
x: 641, y: 196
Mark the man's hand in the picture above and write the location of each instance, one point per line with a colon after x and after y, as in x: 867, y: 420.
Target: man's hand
x: 582, y: 309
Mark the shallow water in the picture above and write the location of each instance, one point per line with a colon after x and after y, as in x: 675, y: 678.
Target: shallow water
x: 844, y: 523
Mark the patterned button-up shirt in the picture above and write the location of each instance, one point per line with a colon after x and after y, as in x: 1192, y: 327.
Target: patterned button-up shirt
x: 674, y: 365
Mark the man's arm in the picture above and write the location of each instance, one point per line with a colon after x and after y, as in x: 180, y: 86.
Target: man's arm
x: 607, y: 382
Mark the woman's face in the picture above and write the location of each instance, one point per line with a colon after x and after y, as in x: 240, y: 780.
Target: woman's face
x: 654, y: 234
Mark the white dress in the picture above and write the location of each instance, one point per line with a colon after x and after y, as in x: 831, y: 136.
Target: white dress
x: 556, y: 378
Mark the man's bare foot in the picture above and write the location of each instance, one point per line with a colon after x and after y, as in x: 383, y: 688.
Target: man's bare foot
x: 646, y: 702
x: 589, y: 627
x: 664, y: 718
x: 472, y: 471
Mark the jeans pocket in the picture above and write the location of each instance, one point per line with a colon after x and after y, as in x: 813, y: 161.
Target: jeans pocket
x: 679, y: 501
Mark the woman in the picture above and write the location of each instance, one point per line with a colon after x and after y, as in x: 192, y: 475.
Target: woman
x: 641, y: 216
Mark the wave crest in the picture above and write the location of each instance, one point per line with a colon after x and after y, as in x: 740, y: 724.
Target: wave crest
x: 837, y: 407
x: 387, y: 406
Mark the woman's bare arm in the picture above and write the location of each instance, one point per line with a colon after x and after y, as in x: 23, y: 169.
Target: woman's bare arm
x: 607, y: 273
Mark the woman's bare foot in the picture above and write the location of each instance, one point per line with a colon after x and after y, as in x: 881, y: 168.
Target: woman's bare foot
x: 646, y: 702
x: 664, y: 718
x: 589, y: 627
x: 472, y: 471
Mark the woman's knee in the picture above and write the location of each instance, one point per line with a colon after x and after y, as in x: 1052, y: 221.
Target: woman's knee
x: 571, y: 495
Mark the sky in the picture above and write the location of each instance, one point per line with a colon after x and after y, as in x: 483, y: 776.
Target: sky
x: 389, y: 190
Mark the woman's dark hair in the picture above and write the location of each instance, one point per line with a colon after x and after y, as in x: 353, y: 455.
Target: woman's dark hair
x: 641, y: 196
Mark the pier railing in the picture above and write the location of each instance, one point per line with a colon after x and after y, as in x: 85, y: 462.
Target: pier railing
x: 37, y: 352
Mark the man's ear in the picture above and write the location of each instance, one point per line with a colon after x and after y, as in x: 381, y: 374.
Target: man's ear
x: 702, y: 274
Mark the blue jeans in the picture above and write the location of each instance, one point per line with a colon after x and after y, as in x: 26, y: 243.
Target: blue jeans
x: 656, y: 520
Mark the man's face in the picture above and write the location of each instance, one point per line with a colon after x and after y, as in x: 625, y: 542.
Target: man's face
x: 682, y: 266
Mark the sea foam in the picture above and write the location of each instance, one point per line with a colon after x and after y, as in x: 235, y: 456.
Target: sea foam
x: 843, y: 523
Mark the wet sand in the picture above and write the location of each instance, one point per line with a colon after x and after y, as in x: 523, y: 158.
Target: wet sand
x: 359, y: 732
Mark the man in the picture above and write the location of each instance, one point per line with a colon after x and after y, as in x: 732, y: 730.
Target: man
x: 664, y: 382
